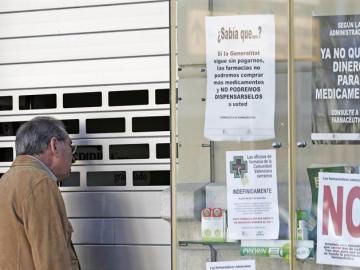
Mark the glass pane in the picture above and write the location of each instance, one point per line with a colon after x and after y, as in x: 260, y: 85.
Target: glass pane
x: 72, y: 181
x: 101, y: 179
x: 33, y: 102
x: 6, y: 154
x: 232, y: 173
x: 6, y: 103
x: 162, y: 96
x: 162, y: 150
x: 80, y: 100
x: 10, y: 128
x: 105, y: 125
x: 129, y: 151
x: 128, y: 98
x: 150, y: 124
x: 89, y: 152
x: 327, y: 92
x: 71, y: 125
x: 151, y: 178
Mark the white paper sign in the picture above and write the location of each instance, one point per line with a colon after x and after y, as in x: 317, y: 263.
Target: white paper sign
x: 252, y: 199
x: 338, y: 224
x: 234, y: 265
x: 240, y: 63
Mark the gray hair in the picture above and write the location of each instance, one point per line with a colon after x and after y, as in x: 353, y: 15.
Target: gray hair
x: 33, y: 137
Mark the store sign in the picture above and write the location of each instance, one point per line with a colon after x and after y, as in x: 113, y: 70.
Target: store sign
x: 338, y: 225
x: 240, y: 61
x: 335, y: 79
x: 252, y: 199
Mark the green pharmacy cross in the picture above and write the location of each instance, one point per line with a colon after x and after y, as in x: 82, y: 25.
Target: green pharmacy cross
x: 239, y: 167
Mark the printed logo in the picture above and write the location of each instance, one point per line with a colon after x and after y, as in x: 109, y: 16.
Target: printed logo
x: 239, y: 167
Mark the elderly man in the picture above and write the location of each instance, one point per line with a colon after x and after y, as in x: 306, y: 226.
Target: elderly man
x: 34, y: 230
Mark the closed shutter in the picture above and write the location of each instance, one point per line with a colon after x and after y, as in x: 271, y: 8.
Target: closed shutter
x: 102, y: 67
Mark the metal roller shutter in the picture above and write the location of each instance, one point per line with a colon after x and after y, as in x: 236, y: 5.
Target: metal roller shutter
x: 103, y: 68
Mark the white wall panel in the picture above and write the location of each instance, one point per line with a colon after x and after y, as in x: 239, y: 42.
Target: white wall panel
x: 110, y: 141
x: 105, y: 143
x: 146, y: 69
x: 135, y: 204
x: 104, y: 89
x: 80, y: 20
x: 113, y: 141
x: 111, y: 231
x: 55, y: 48
x: 128, y: 168
x: 124, y: 257
x: 97, y: 115
x: 18, y: 5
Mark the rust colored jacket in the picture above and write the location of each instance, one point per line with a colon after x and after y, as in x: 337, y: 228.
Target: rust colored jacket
x: 34, y: 230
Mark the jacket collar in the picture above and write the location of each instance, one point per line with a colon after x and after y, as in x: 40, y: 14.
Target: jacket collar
x: 27, y: 160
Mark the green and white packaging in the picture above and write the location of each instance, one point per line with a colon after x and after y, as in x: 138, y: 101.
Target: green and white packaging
x: 276, y: 248
x: 213, y: 225
x: 302, y: 218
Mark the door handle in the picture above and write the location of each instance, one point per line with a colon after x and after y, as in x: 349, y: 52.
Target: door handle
x: 301, y: 144
x: 276, y: 145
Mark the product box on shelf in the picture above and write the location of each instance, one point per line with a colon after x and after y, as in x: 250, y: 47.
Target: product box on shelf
x: 213, y: 225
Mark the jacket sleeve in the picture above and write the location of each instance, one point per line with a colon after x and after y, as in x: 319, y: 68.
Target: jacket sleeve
x: 45, y: 228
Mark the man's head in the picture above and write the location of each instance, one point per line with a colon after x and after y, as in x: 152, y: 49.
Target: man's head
x: 46, y: 139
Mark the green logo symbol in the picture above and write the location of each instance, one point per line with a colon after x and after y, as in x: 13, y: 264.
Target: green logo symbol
x: 238, y: 167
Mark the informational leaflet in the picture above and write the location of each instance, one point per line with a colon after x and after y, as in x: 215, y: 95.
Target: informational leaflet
x: 338, y: 223
x: 252, y: 198
x: 234, y: 265
x: 335, y: 79
x: 240, y: 63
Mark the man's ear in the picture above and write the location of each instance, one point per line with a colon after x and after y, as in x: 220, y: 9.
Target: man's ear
x: 54, y: 146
